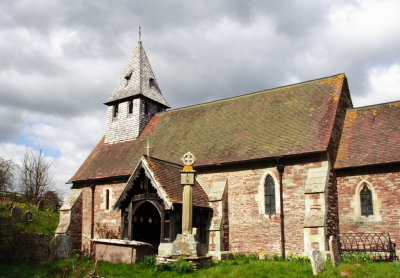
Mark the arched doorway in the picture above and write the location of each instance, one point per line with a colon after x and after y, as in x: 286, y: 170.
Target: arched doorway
x: 146, y: 224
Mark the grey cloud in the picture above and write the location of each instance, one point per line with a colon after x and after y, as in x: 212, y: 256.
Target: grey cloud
x: 11, y: 124
x: 189, y: 68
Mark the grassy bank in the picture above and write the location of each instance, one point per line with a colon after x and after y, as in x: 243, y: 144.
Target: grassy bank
x: 236, y: 267
x: 43, y: 222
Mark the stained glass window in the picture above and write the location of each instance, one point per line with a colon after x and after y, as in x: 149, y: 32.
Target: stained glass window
x: 366, y: 201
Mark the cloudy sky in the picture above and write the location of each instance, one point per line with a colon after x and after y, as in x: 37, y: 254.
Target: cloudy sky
x: 61, y: 59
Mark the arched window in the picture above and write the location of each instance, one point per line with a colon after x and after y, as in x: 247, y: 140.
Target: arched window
x: 107, y: 199
x: 366, y: 201
x: 269, y: 192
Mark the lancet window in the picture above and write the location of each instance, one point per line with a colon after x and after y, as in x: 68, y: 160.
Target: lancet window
x: 269, y: 194
x: 366, y: 201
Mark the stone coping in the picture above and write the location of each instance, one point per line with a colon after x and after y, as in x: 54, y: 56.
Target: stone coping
x: 121, y: 242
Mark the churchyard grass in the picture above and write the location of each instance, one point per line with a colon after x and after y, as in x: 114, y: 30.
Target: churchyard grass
x: 238, y: 266
x: 43, y: 222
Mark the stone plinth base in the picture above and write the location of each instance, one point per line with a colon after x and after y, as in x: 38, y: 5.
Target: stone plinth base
x: 198, y: 262
x: 218, y: 255
x: 186, y: 245
x: 122, y: 251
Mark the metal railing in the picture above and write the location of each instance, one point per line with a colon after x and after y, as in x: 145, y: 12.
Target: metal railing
x: 378, y: 245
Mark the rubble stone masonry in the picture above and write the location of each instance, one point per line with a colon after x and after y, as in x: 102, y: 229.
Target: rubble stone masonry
x: 250, y: 229
x: 106, y: 222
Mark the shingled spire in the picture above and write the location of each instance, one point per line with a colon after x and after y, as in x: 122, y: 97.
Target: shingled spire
x: 138, y: 79
x: 134, y: 100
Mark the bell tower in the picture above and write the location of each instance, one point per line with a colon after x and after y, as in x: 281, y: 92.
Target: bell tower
x: 134, y: 100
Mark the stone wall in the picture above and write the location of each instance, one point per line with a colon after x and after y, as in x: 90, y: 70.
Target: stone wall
x: 250, y: 229
x: 385, y: 187
x: 332, y: 218
x: 71, y: 218
x: 30, y: 246
x: 106, y: 222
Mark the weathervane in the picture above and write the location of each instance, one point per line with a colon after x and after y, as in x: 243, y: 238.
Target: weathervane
x: 140, y: 33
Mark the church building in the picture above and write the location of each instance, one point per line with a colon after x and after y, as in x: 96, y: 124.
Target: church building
x: 278, y: 171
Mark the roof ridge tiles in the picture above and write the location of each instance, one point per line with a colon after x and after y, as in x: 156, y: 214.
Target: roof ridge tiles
x: 162, y: 161
x: 254, y: 93
x: 374, y: 105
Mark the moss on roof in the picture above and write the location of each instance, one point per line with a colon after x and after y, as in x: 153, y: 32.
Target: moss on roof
x: 283, y: 121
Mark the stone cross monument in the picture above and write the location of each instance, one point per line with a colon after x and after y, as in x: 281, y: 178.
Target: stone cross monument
x: 187, y: 180
x: 186, y: 243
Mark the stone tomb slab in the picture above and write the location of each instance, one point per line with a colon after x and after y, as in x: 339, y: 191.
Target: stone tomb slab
x: 122, y: 251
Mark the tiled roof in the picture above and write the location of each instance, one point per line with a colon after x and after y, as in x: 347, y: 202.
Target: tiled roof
x: 371, y: 135
x: 284, y: 121
x: 168, y: 176
x: 136, y: 79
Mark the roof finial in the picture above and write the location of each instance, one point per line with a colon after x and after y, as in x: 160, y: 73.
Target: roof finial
x: 140, y: 33
x: 147, y: 148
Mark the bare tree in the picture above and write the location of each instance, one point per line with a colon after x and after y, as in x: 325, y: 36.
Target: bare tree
x: 7, y: 171
x: 36, y: 178
x: 53, y: 197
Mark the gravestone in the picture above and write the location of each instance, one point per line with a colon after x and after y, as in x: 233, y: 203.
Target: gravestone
x: 16, y: 212
x: 334, y: 251
x: 61, y: 246
x: 40, y: 205
x: 28, y: 215
x: 317, y: 262
x: 55, y: 208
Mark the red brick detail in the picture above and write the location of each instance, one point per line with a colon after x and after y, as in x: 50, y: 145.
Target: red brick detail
x: 250, y: 231
x: 315, y: 245
x: 109, y: 220
x: 314, y: 231
x: 387, y: 188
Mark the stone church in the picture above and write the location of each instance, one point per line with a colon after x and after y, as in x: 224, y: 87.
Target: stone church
x: 278, y: 170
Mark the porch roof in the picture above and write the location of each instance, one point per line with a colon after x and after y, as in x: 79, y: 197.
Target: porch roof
x: 165, y: 177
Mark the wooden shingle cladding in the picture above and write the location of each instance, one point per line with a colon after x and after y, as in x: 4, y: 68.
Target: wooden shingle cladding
x: 371, y: 136
x: 285, y: 121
